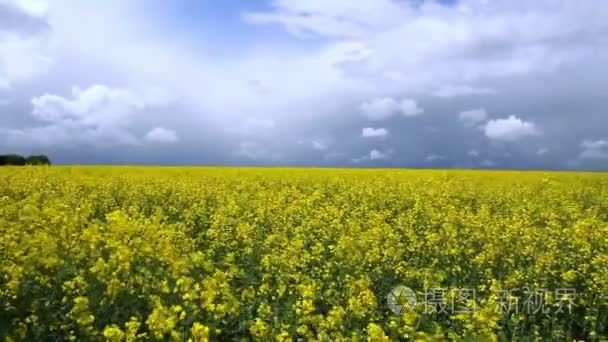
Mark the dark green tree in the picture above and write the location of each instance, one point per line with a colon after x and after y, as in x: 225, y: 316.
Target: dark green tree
x: 17, y: 160
x: 38, y: 160
x: 12, y: 159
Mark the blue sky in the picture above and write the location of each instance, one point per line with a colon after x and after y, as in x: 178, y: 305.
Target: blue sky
x: 473, y: 83
x: 218, y: 23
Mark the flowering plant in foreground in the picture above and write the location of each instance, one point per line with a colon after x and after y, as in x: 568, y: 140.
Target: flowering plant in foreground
x: 130, y: 254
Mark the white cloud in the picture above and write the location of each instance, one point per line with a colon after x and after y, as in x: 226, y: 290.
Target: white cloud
x: 98, y: 105
x: 377, y: 155
x: 510, y: 129
x: 384, y: 107
x: 594, y: 149
x: 379, y: 108
x: 594, y: 144
x: 34, y: 8
x: 473, y: 153
x: 66, y: 134
x: 433, y: 158
x: 409, y: 107
x: 98, y: 115
x: 319, y: 146
x: 542, y: 151
x: 461, y: 90
x: 424, y: 45
x: 339, y: 18
x: 162, y: 135
x: 373, y: 155
x: 370, y: 132
x: 348, y: 53
x: 472, y: 117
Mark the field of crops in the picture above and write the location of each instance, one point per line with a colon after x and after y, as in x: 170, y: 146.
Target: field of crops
x: 129, y: 253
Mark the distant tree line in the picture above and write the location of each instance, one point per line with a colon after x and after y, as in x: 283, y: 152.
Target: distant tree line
x: 17, y: 160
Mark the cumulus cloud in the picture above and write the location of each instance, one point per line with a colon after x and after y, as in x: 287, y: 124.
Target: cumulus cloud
x: 377, y: 155
x: 594, y: 144
x: 379, y: 108
x: 454, y: 44
x: 542, y: 151
x: 96, y: 115
x: 161, y: 135
x: 373, y: 155
x: 433, y: 158
x: 370, y: 132
x: 594, y: 149
x: 96, y: 105
x: 384, y: 107
x: 510, y: 129
x: 449, y: 91
x: 317, y: 145
x: 67, y: 134
x: 472, y: 117
x: 409, y: 107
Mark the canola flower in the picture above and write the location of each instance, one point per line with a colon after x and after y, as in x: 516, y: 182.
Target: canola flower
x: 204, y: 254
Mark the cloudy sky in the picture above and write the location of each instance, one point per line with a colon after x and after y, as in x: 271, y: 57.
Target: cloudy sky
x: 398, y: 83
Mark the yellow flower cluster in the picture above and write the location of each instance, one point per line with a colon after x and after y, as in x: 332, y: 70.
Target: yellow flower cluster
x: 204, y: 254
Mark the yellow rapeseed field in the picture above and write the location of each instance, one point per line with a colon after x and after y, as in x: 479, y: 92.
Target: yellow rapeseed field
x: 197, y: 254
